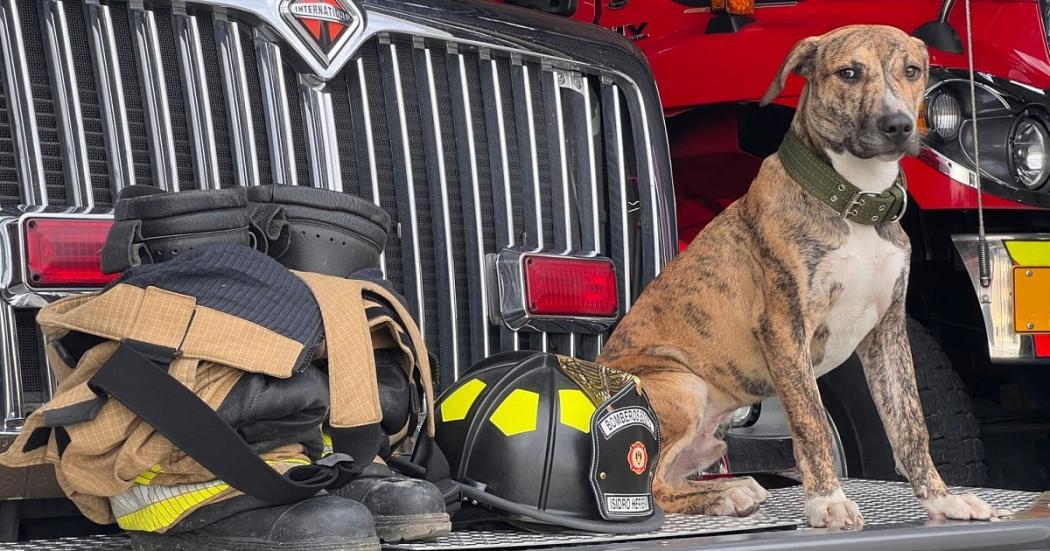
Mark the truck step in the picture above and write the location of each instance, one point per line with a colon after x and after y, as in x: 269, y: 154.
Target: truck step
x: 884, y: 505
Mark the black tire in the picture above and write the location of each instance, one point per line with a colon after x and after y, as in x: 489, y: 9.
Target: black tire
x: 955, y: 441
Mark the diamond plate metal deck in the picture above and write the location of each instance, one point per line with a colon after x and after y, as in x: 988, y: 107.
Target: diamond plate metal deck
x: 881, y: 503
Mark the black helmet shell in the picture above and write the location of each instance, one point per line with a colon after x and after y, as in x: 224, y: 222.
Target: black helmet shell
x: 524, y: 427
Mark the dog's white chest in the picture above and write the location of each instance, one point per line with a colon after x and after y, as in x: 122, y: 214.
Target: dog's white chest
x: 867, y: 268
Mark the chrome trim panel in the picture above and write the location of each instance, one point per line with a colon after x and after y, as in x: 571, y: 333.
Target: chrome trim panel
x: 275, y: 106
x: 235, y: 88
x: 1005, y: 345
x: 110, y: 86
x: 510, y: 274
x: 66, y: 96
x: 155, y: 97
x: 198, y: 103
x: 321, y: 141
x: 20, y: 103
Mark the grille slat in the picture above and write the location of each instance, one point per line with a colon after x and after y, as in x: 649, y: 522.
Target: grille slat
x: 158, y: 117
x: 322, y: 144
x: 403, y: 169
x: 238, y: 105
x: 469, y: 149
x: 619, y: 204
x: 197, y: 108
x: 22, y: 115
x: 111, y: 120
x: 56, y: 36
x: 441, y: 174
x: 140, y: 165
x: 276, y: 111
x: 529, y: 123
x: 498, y: 135
x: 467, y: 115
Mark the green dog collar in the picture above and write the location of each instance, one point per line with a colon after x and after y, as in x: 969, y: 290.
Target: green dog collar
x: 824, y: 183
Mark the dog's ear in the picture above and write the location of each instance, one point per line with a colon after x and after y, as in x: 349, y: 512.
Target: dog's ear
x: 800, y: 60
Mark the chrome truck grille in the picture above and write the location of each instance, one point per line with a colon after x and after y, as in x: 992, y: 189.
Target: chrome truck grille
x: 471, y: 147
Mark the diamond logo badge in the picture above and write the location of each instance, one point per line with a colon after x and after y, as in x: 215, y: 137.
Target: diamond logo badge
x: 325, y: 25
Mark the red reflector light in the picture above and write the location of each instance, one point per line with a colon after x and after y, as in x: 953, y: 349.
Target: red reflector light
x: 1042, y: 345
x: 65, y: 252
x: 570, y: 286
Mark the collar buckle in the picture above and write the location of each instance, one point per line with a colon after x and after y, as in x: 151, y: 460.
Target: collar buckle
x: 857, y: 201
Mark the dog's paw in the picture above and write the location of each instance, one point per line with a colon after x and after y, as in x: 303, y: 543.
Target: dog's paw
x: 959, y: 507
x: 736, y: 501
x: 833, y: 511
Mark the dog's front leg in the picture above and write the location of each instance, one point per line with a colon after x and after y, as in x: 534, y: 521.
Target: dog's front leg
x: 782, y: 333
x: 886, y: 356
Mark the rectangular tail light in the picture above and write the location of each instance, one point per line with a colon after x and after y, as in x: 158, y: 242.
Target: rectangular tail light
x: 584, y: 287
x: 554, y: 293
x: 65, y: 252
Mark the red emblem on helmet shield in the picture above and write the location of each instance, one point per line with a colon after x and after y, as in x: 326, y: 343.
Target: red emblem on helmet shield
x: 637, y: 458
x: 324, y: 24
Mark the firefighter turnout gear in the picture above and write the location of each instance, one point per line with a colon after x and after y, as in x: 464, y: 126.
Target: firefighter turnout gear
x: 538, y: 437
x: 193, y: 390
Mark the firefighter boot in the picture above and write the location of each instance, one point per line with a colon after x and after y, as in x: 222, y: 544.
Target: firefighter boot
x: 404, y: 509
x: 151, y: 225
x: 320, y: 523
x: 317, y: 230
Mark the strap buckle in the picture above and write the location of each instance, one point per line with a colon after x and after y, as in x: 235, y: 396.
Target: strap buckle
x: 857, y: 201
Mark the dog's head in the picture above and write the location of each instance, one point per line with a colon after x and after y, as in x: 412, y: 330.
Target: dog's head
x: 864, y: 87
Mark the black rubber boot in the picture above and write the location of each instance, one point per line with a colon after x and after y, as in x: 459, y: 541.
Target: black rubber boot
x: 322, y: 523
x: 404, y: 509
x: 151, y: 225
x: 317, y: 230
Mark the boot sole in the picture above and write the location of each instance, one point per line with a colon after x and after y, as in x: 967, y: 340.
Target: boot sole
x: 141, y: 541
x: 394, y: 529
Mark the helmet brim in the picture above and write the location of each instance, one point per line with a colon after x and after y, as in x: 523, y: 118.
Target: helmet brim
x: 652, y: 523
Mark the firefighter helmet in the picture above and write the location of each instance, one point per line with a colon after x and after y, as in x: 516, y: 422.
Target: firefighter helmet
x: 548, y: 438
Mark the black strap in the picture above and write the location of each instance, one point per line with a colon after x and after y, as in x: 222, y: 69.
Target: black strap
x: 136, y: 375
x: 361, y: 443
x: 429, y: 463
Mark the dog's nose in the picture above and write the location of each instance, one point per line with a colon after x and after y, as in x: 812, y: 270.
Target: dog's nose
x: 897, y: 126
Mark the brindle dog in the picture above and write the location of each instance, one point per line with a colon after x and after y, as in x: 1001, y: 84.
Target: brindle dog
x: 779, y: 289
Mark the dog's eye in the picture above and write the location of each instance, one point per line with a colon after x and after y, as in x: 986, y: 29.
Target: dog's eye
x: 848, y: 74
x: 912, y: 71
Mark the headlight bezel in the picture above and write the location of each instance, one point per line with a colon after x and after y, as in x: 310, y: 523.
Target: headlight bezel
x: 1039, y: 123
x: 997, y: 99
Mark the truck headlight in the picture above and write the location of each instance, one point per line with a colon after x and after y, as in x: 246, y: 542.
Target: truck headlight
x: 944, y: 114
x: 1028, y: 148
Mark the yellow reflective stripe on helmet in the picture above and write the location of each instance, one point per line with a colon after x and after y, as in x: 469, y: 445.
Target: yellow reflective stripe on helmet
x: 517, y: 413
x: 575, y: 409
x: 456, y: 405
